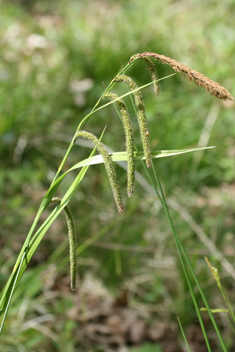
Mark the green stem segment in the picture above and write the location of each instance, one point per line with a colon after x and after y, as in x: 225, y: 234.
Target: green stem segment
x: 72, y: 243
x: 129, y: 141
x: 108, y: 166
x: 142, y: 120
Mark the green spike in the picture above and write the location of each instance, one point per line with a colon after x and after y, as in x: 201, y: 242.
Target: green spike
x: 72, y: 243
x: 129, y: 141
x: 108, y: 166
x: 142, y: 120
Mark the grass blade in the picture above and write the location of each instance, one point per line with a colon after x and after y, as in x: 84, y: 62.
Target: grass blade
x: 183, y: 256
x: 183, y: 334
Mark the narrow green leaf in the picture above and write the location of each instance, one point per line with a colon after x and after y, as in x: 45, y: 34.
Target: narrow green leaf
x: 183, y: 256
x: 183, y: 334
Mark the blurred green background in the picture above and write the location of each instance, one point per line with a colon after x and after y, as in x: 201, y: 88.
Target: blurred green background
x: 56, y: 57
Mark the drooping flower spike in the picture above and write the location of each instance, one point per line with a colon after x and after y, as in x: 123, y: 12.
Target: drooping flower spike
x: 108, y: 166
x: 199, y: 79
x: 72, y: 243
x: 142, y: 119
x: 129, y: 141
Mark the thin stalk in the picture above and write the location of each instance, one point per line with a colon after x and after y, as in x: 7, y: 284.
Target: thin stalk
x: 181, y: 248
x: 182, y: 332
x: 152, y: 183
x: 11, y: 295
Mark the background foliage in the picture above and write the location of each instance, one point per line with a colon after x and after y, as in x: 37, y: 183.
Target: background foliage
x: 55, y: 58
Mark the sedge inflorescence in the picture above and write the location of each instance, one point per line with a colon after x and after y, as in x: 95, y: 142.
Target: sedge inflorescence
x: 194, y: 76
x: 212, y: 87
x: 198, y: 78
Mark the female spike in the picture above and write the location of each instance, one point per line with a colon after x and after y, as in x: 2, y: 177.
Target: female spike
x: 72, y: 243
x: 142, y: 120
x: 108, y: 166
x: 129, y: 141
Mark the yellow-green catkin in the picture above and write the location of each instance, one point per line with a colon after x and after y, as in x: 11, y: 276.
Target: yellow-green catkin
x: 215, y: 273
x: 153, y: 73
x: 72, y: 244
x: 129, y: 141
x: 216, y: 310
x: 108, y: 166
x: 142, y: 120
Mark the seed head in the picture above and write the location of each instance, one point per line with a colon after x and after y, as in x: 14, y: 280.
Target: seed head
x: 199, y: 79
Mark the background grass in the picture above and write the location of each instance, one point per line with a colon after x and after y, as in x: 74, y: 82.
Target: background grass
x: 54, y: 58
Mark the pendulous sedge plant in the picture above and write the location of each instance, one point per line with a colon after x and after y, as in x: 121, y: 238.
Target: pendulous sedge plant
x: 34, y: 237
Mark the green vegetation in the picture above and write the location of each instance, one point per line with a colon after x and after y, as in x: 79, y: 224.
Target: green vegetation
x: 55, y: 56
